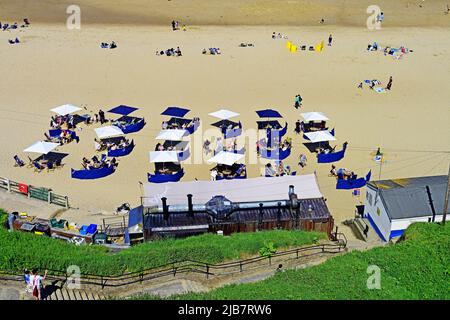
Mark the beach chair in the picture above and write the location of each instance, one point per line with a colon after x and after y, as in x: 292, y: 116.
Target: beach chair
x: 50, y: 166
x: 37, y: 167
x: 58, y: 164
x: 30, y: 163
x: 19, y: 162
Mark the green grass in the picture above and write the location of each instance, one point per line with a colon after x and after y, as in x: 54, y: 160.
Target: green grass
x: 416, y: 268
x: 19, y: 250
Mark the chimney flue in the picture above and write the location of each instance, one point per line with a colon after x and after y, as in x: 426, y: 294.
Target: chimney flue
x: 291, y: 190
x: 190, y: 206
x: 165, y: 208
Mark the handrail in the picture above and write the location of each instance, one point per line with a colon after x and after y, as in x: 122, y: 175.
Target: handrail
x: 178, y: 267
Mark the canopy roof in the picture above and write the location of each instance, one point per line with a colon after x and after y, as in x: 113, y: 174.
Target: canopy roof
x: 273, y: 124
x: 225, y: 123
x: 172, y: 134
x: 123, y: 110
x: 269, y: 113
x: 163, y: 156
x: 175, y: 111
x: 320, y: 136
x: 224, y: 114
x: 108, y: 131
x: 227, y: 158
x: 65, y: 109
x: 42, y: 147
x: 314, y: 116
x: 237, y: 190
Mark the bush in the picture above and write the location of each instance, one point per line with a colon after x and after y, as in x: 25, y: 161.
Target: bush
x: 416, y: 268
x: 19, y: 250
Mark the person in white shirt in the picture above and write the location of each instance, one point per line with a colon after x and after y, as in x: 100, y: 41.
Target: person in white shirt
x: 36, y: 281
x: 213, y: 174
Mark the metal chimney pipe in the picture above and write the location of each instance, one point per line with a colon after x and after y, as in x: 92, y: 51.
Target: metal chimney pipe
x: 291, y: 190
x: 165, y: 208
x: 190, y: 206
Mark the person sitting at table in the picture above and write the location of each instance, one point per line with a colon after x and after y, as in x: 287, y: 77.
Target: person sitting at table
x: 95, y: 159
x: 322, y: 125
x: 280, y: 169
x: 113, y: 162
x: 161, y: 147
x: 269, y: 171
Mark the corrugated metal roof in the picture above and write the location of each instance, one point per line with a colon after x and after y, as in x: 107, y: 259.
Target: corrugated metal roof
x: 408, y: 198
x: 319, y: 211
x: 407, y: 182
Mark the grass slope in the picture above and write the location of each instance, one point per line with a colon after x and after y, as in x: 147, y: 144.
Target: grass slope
x: 416, y: 268
x: 19, y: 250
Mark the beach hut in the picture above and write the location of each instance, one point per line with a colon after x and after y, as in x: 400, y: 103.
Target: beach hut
x: 392, y: 205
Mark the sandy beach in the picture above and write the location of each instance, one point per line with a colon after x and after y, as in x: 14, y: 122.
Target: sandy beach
x: 54, y: 66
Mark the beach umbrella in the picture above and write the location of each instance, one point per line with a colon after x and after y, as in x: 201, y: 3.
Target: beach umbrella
x: 175, y: 111
x: 224, y: 114
x: 172, y: 134
x: 123, y: 110
x: 227, y: 158
x: 269, y: 113
x: 314, y: 116
x: 163, y: 156
x: 108, y: 131
x: 320, y: 136
x: 42, y: 147
x: 65, y: 109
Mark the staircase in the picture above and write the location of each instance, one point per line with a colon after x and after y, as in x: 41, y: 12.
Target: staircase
x: 62, y: 293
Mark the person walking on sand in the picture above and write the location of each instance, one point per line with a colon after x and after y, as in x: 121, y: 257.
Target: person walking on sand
x: 298, y: 101
x: 389, y: 85
x: 330, y: 40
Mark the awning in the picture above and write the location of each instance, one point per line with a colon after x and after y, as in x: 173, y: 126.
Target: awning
x: 224, y: 114
x: 108, y: 131
x: 123, y: 110
x: 163, y: 156
x: 227, y: 158
x: 42, y: 147
x: 175, y: 111
x: 172, y: 134
x: 65, y: 109
x: 314, y: 116
x: 320, y: 136
x: 269, y: 113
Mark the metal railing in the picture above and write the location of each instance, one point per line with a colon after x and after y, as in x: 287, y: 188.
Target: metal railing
x: 191, y: 266
x: 30, y: 191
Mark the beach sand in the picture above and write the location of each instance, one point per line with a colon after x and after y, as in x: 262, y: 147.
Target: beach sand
x: 54, y: 66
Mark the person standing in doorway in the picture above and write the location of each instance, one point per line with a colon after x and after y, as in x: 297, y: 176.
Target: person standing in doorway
x: 389, y: 85
x: 330, y: 40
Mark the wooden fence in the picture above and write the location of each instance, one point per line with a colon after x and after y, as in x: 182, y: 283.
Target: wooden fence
x: 30, y: 191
